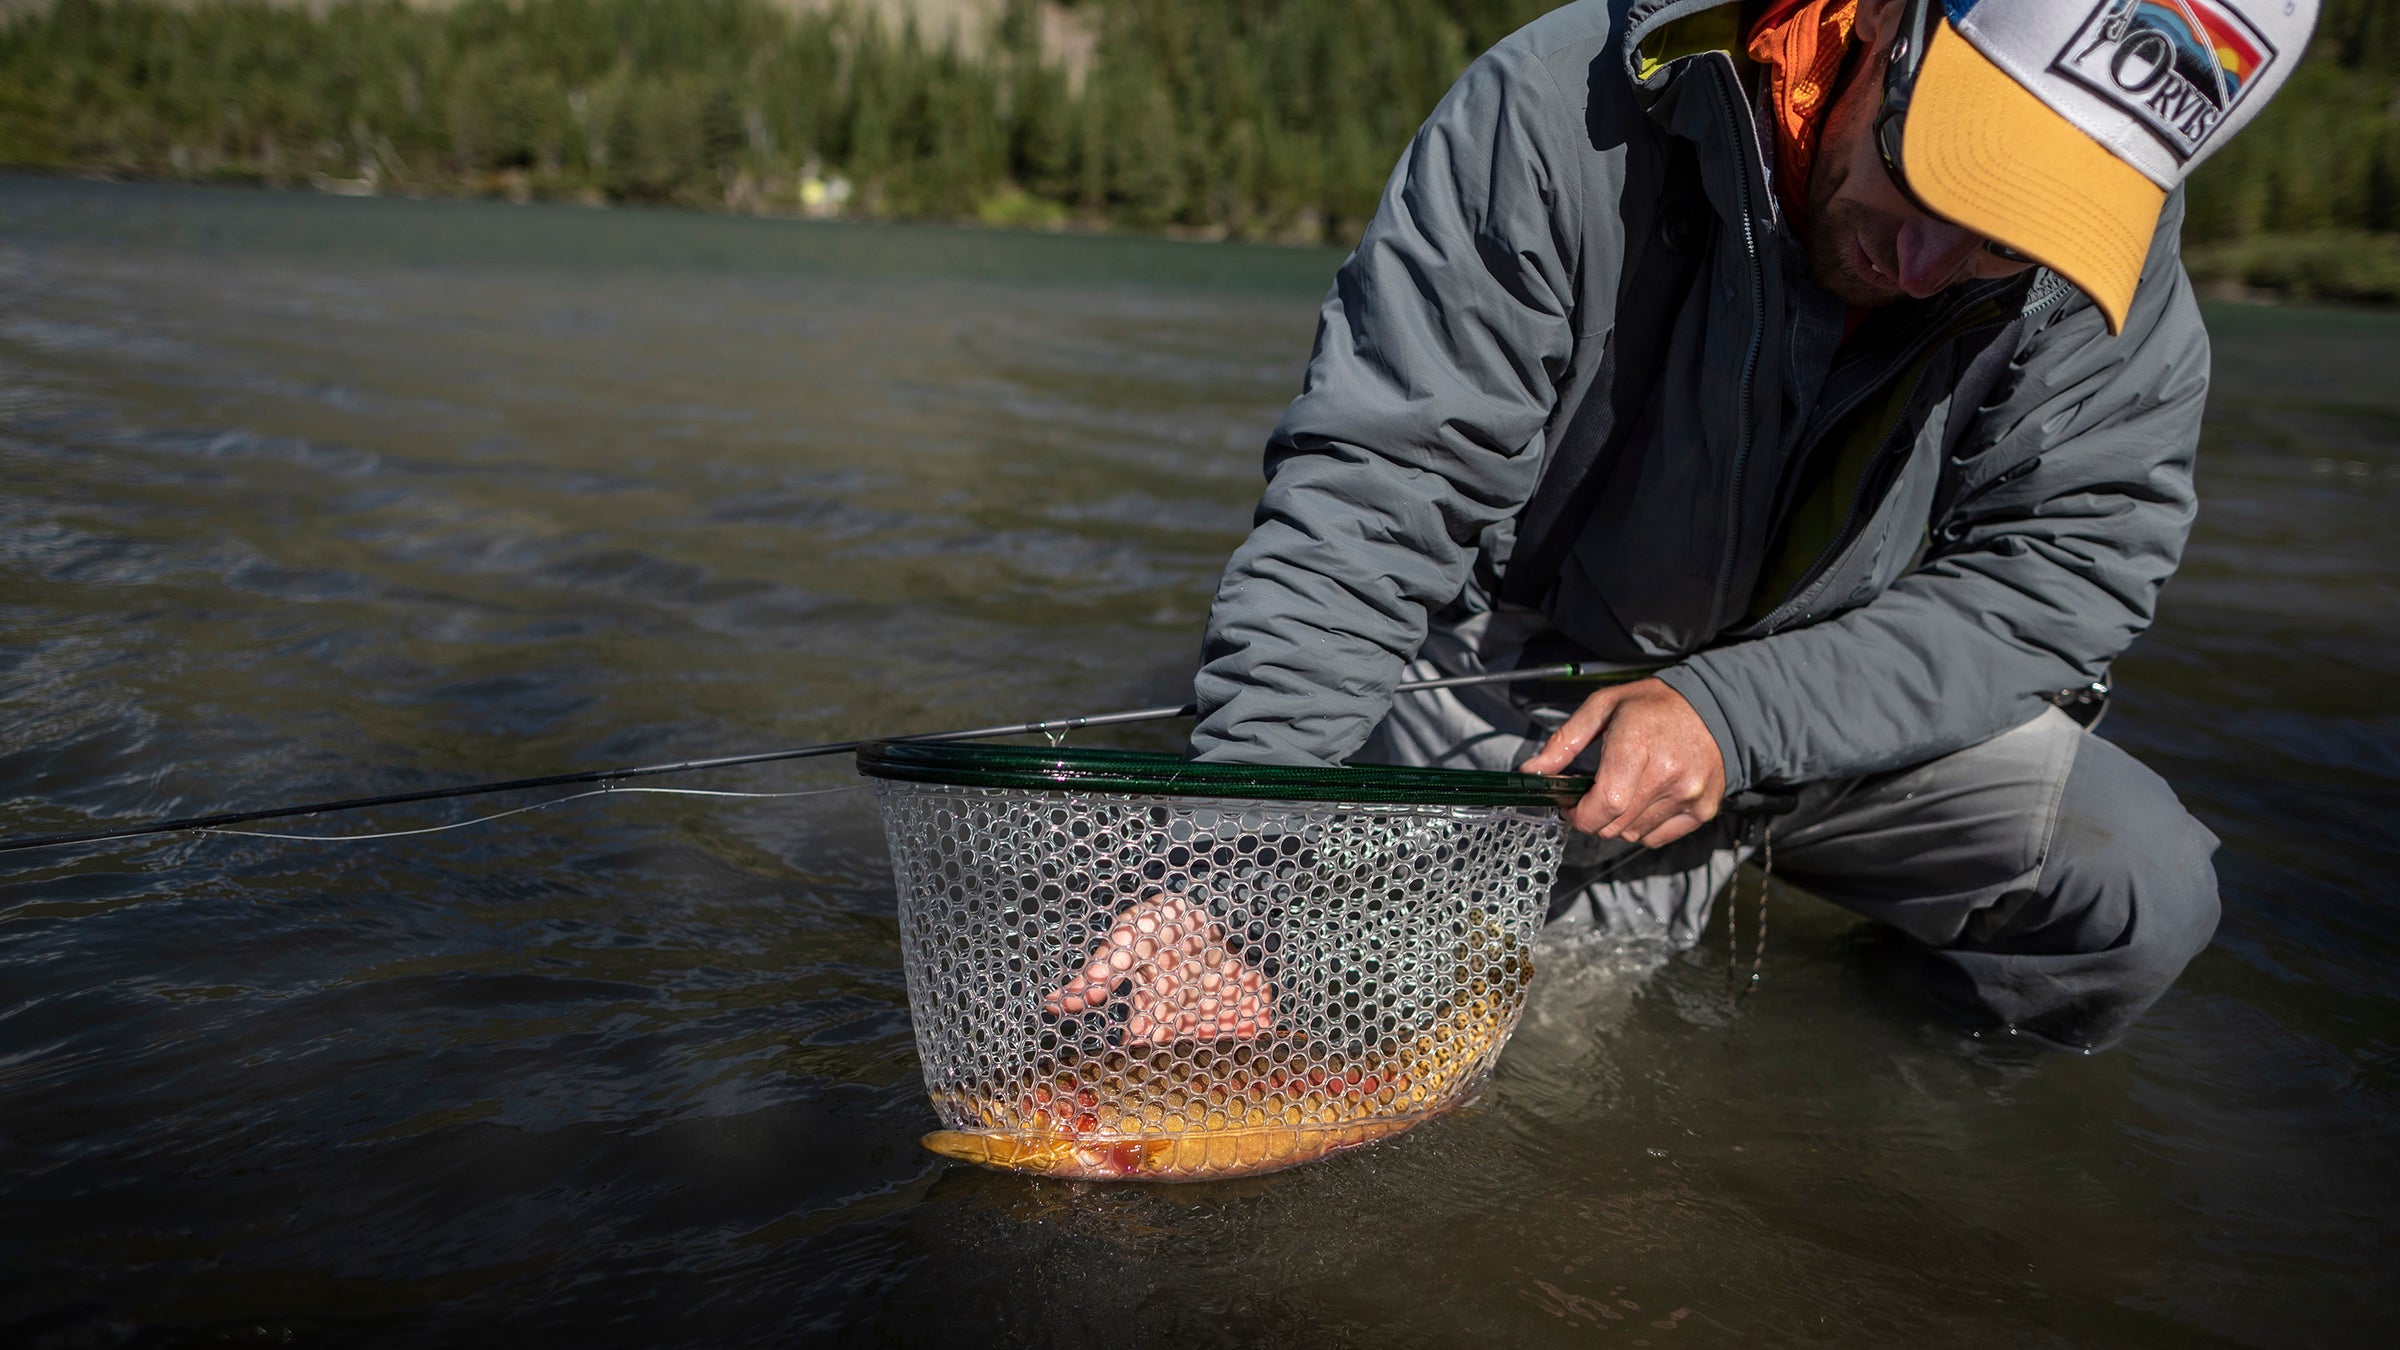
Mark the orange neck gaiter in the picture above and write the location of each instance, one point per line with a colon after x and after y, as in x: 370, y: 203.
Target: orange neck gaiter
x: 1801, y: 43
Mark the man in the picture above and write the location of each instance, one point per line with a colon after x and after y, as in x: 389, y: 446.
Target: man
x: 1834, y: 357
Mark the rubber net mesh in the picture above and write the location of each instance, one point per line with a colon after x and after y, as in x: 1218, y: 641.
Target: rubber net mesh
x: 1117, y: 986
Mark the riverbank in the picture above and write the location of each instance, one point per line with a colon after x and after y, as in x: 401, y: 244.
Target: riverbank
x: 2344, y: 266
x: 1276, y: 120
x: 1271, y: 121
x: 2354, y: 268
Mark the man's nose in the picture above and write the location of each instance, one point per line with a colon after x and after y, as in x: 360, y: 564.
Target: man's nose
x: 1932, y: 254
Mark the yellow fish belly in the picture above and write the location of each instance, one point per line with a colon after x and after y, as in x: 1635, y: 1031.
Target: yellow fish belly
x: 1123, y: 1119
x: 1201, y: 1156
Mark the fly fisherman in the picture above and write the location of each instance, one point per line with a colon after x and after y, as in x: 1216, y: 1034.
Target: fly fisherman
x: 1834, y: 355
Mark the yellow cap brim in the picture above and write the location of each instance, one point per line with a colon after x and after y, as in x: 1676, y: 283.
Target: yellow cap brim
x: 1986, y: 154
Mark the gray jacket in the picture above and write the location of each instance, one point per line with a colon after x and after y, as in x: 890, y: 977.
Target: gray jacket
x: 2003, y: 547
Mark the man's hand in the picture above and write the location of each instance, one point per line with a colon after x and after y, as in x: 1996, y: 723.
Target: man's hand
x: 1660, y: 775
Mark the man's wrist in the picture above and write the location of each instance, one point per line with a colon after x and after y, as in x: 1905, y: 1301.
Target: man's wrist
x: 1688, y: 683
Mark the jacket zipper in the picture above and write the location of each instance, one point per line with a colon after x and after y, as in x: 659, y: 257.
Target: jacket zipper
x: 1758, y: 312
x: 1873, y: 484
x: 1928, y: 336
x: 1872, y: 487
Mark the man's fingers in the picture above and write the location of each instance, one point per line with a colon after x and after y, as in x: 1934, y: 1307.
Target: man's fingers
x: 1615, y: 794
x: 1623, y: 783
x: 1577, y: 732
x: 1563, y: 746
x: 1654, y: 812
x: 1631, y: 800
x: 1675, y: 827
x: 1668, y: 789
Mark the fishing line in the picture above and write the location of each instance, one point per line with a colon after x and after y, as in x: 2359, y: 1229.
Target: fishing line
x: 1597, y: 671
x: 518, y: 811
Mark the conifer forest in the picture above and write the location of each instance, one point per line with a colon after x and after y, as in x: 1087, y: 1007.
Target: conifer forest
x: 1250, y: 119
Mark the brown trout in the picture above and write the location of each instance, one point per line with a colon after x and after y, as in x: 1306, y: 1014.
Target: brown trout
x: 1204, y: 1110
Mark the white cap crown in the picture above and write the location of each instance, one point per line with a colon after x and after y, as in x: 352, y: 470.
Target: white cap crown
x: 2161, y: 83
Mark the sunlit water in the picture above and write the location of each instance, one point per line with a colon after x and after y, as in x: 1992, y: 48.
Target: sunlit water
x: 310, y: 498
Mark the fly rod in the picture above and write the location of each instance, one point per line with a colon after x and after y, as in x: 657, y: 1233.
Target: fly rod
x: 1564, y: 670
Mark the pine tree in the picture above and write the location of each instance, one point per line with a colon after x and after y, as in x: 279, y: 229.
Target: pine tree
x: 1258, y: 118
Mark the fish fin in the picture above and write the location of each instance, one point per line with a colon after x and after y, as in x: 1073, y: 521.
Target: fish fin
x: 965, y: 1147
x: 1008, y: 1152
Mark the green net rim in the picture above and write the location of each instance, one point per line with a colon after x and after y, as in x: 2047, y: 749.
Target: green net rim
x: 1145, y: 773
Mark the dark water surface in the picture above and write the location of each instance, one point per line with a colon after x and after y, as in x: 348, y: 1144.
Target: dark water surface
x: 308, y: 498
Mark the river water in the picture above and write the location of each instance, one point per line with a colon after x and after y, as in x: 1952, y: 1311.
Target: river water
x: 308, y: 497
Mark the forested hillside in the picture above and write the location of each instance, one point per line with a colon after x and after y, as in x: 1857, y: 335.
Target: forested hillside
x: 1249, y: 118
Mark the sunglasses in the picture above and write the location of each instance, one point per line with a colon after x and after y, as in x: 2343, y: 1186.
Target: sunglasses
x: 1907, y: 58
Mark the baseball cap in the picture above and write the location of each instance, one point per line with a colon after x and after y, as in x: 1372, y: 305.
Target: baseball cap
x: 2057, y: 127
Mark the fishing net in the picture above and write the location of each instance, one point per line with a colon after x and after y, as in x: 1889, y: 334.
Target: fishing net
x: 1130, y: 965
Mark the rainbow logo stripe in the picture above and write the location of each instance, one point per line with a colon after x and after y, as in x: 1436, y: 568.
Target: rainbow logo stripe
x: 2237, y: 55
x: 2206, y: 38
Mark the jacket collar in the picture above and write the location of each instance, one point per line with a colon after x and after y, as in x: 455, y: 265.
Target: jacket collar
x: 1663, y: 35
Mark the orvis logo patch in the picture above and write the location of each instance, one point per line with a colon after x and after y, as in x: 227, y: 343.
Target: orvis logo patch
x: 2180, y: 66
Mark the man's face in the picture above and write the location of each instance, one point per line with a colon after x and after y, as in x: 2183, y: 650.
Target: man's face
x: 1867, y: 243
